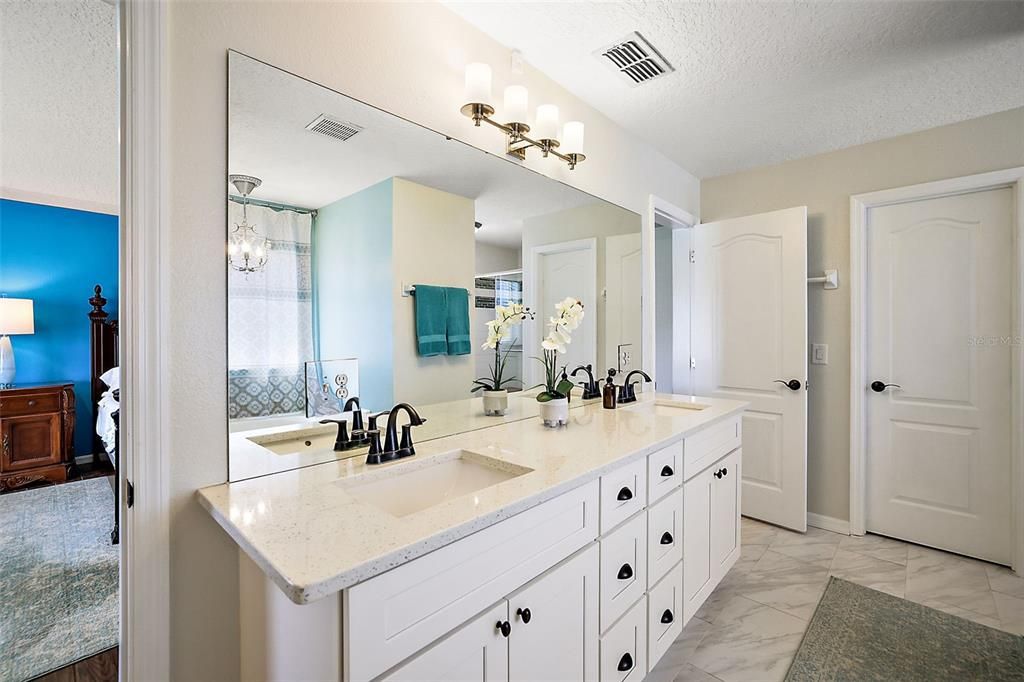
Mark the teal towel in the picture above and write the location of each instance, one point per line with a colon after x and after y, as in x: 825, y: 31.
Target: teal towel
x: 431, y: 320
x: 459, y: 341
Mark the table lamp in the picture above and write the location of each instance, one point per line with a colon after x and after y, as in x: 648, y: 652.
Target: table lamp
x: 15, y: 318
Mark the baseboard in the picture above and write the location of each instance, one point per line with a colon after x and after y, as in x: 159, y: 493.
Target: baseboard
x: 87, y: 459
x: 828, y: 523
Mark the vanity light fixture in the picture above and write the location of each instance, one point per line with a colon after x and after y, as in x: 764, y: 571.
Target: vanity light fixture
x: 516, y: 104
x: 248, y: 250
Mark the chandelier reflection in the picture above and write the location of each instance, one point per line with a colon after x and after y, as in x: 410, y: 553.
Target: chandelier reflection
x: 248, y: 250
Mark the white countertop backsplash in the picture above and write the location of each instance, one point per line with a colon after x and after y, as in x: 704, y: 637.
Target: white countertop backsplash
x: 312, y: 538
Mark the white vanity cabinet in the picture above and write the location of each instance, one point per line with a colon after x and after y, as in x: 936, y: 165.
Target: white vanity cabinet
x: 545, y: 631
x: 593, y: 584
x: 711, y: 529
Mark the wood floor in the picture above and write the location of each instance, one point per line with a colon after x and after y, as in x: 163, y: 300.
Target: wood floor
x: 99, y: 668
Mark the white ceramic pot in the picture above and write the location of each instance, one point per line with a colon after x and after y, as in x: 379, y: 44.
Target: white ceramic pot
x: 555, y: 413
x: 495, y: 403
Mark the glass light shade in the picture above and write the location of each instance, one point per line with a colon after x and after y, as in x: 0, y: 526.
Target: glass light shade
x: 572, y: 134
x: 247, y: 249
x: 516, y: 104
x: 478, y: 83
x: 16, y: 316
x: 546, y: 127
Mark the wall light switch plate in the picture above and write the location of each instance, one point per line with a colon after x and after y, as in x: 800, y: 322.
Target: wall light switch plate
x: 819, y: 353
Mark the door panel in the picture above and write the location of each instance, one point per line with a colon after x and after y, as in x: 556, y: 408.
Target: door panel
x: 563, y: 270
x: 623, y: 321
x: 725, y: 512
x: 476, y: 652
x: 938, y: 317
x: 560, y: 640
x: 749, y: 330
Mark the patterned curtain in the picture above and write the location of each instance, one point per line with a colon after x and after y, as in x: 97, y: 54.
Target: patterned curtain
x: 270, y: 318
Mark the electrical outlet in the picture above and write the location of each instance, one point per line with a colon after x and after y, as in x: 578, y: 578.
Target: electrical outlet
x: 625, y: 357
x: 819, y: 354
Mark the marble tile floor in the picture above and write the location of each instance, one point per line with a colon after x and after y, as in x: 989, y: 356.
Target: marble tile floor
x: 752, y: 624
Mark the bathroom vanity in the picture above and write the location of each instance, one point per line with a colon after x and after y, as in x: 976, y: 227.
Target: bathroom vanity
x: 513, y: 552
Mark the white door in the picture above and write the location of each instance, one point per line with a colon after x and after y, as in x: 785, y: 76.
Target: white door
x: 555, y: 272
x: 938, y: 316
x: 623, y: 314
x: 476, y: 652
x: 750, y: 343
x: 555, y: 624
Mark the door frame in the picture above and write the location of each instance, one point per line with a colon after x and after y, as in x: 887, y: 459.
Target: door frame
x: 533, y: 333
x: 144, y: 584
x: 655, y: 205
x: 1012, y: 178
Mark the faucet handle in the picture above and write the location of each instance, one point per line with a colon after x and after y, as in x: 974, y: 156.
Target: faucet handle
x: 342, y: 439
x: 406, y: 446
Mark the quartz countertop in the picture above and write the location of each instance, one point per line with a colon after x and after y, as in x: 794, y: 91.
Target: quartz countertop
x: 313, y: 538
x: 247, y: 459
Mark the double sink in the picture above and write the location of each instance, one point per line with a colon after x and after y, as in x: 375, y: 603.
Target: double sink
x: 417, y: 485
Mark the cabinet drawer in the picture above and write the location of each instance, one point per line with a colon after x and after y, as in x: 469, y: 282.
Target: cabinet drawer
x: 704, y: 447
x: 36, y: 403
x: 664, y: 536
x: 393, y: 615
x: 664, y: 472
x: 624, y: 647
x: 623, y: 493
x: 623, y: 569
x: 664, y: 615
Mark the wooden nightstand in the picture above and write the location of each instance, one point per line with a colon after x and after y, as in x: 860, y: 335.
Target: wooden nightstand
x: 37, y: 434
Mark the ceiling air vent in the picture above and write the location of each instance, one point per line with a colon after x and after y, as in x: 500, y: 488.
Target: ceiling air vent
x: 634, y: 59
x: 332, y: 127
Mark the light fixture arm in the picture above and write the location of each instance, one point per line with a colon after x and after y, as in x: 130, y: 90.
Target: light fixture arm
x: 517, y: 141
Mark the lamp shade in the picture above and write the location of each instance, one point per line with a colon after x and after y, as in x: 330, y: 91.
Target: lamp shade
x: 572, y: 133
x: 546, y: 127
x: 478, y: 83
x: 516, y: 102
x: 16, y: 316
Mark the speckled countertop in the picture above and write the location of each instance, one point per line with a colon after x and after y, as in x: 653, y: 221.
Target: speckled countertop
x: 313, y: 538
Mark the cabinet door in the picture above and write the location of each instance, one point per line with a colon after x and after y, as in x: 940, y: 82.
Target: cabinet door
x: 30, y: 441
x: 725, y: 513
x: 697, y: 570
x: 554, y: 623
x: 476, y: 652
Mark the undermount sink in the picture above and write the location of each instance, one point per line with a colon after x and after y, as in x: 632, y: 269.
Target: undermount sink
x: 405, y: 489
x: 297, y: 444
x: 668, y: 408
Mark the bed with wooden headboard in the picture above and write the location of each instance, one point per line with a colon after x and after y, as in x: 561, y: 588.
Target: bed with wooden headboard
x: 103, y: 357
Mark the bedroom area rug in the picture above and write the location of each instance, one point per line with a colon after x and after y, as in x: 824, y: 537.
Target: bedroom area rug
x: 861, y: 634
x: 58, y: 577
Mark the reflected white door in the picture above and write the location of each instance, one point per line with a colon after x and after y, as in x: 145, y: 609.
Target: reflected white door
x: 623, y: 316
x: 938, y: 315
x: 749, y: 340
x: 553, y: 273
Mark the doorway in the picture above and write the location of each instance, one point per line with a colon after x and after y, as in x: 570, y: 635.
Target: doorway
x: 551, y: 271
x: 936, y: 366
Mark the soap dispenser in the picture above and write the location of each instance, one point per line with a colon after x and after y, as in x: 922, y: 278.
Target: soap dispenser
x: 608, y: 395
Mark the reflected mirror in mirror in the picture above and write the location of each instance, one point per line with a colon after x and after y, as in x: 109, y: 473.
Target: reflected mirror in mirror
x: 342, y: 219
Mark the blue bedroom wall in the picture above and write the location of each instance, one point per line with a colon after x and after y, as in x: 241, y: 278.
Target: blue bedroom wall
x: 55, y: 256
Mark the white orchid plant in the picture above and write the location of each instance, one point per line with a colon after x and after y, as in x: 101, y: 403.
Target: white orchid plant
x: 499, y: 329
x: 569, y: 314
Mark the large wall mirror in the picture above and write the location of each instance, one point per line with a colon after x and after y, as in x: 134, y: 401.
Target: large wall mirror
x: 338, y: 213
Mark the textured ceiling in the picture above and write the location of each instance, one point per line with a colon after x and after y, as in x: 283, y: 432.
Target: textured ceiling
x: 59, y: 102
x: 758, y: 83
x: 268, y: 110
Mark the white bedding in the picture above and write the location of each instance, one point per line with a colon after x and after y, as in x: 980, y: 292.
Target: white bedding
x: 106, y: 429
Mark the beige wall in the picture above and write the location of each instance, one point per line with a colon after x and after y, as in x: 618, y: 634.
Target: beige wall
x: 432, y: 242
x: 824, y: 184
x: 405, y: 57
x: 493, y: 258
